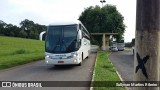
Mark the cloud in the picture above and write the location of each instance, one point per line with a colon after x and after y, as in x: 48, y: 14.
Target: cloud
x: 48, y: 11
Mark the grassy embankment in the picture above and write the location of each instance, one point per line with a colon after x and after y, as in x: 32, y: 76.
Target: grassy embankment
x: 17, y: 51
x: 105, y: 71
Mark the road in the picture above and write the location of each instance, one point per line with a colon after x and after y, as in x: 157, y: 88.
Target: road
x: 124, y: 63
x: 39, y: 71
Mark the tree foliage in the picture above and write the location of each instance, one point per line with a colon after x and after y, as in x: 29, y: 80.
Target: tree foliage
x: 133, y: 42
x: 2, y: 26
x: 103, y: 20
x: 27, y: 29
x: 22, y: 34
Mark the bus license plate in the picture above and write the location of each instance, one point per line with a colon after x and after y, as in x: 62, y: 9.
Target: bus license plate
x: 60, y: 61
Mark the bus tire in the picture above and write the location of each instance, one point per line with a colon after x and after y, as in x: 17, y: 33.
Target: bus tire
x: 80, y: 64
x: 56, y: 65
x: 87, y: 57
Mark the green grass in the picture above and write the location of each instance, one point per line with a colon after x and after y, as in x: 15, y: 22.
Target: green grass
x: 17, y: 51
x: 128, y: 49
x: 105, y: 71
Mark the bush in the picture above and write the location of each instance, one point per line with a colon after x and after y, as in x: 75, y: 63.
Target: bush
x: 128, y: 44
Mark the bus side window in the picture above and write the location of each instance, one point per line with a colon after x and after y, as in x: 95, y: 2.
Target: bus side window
x: 83, y: 35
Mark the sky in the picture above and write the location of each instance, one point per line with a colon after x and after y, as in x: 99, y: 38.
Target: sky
x: 45, y: 12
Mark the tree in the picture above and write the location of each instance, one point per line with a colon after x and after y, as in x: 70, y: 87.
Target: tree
x: 8, y: 29
x: 22, y: 34
x: 39, y: 28
x: 27, y: 26
x: 2, y: 27
x: 103, y: 20
x: 15, y: 30
x: 33, y: 35
x: 11, y: 30
x: 27, y: 29
x: 12, y: 33
x: 32, y: 29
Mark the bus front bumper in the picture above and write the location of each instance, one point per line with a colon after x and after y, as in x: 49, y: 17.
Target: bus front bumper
x: 61, y: 61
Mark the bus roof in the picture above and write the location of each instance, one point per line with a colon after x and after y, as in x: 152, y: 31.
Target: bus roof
x: 65, y: 23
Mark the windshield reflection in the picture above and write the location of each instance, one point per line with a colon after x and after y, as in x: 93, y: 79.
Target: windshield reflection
x: 61, y: 39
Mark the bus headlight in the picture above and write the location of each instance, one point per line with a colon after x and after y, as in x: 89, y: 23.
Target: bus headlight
x: 47, y: 61
x: 74, y: 54
x: 47, y: 56
x: 75, y: 61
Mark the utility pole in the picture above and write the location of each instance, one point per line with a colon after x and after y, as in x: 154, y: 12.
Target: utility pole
x: 102, y: 1
x: 147, y: 43
x: 103, y: 37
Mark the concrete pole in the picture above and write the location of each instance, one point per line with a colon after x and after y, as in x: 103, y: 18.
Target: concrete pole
x: 107, y: 42
x: 103, y: 42
x: 147, y: 43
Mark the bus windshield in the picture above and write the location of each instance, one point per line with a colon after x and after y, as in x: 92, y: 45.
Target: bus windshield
x: 61, y: 39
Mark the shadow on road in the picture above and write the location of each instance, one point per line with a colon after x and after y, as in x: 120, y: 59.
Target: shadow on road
x: 62, y: 67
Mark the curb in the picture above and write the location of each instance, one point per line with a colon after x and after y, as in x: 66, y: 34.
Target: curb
x: 122, y: 80
x: 91, y: 88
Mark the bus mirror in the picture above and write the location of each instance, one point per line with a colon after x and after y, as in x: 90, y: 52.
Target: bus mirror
x: 80, y: 34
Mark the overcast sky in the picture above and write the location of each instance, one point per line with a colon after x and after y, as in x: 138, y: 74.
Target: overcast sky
x: 48, y: 11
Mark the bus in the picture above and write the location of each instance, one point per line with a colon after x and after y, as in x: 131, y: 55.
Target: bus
x: 121, y: 46
x: 66, y: 43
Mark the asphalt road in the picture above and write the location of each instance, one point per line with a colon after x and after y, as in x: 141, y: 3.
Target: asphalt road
x: 124, y: 63
x: 39, y: 71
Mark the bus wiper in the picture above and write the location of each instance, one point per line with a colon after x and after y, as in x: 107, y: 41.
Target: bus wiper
x: 69, y: 46
x: 56, y: 45
x: 64, y: 44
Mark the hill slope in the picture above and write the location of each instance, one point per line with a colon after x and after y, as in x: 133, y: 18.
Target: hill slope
x: 16, y: 51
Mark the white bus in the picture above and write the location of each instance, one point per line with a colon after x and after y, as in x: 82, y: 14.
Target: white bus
x: 67, y: 43
x: 121, y: 46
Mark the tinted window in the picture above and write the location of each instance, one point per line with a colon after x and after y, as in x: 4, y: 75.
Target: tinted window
x: 53, y: 38
x: 61, y: 39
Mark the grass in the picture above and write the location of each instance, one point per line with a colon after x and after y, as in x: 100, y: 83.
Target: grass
x: 105, y: 71
x: 128, y: 49
x: 17, y: 51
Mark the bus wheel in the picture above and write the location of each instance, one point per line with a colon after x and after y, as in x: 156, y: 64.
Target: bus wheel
x: 56, y: 65
x: 87, y: 57
x: 80, y: 64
